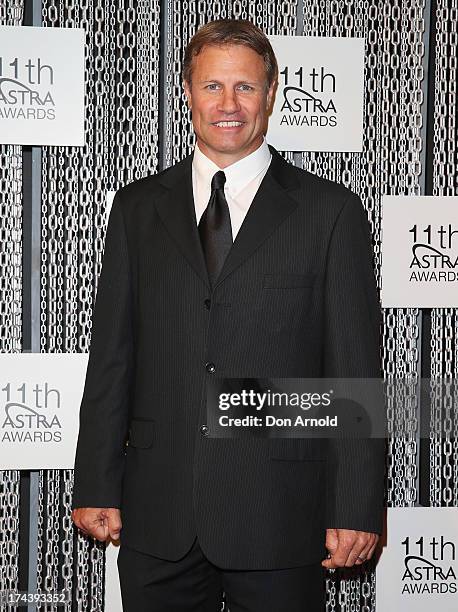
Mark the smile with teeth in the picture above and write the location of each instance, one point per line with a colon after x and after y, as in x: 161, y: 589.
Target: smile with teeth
x: 228, y: 123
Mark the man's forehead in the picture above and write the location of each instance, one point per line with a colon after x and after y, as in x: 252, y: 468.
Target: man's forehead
x: 210, y: 68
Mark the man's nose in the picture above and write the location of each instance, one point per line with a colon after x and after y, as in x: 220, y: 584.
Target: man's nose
x: 229, y: 102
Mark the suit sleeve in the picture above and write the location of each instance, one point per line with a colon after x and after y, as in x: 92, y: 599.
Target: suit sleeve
x: 103, y: 419
x: 352, y: 318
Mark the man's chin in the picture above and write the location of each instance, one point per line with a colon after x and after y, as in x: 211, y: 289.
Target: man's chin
x: 228, y: 143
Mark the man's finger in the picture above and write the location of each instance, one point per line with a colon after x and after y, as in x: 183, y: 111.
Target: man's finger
x: 367, y: 553
x: 114, y: 527
x: 358, y: 554
x: 100, y: 532
x: 340, y: 555
x: 94, y: 525
x: 112, y: 517
x: 331, y: 543
x: 372, y: 549
x: 93, y: 533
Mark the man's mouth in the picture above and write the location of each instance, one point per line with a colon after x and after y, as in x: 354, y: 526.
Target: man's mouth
x: 228, y: 124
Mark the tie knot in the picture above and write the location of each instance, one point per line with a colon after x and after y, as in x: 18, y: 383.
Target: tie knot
x: 218, y: 180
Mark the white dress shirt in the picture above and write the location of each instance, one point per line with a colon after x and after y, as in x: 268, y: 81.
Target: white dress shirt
x: 243, y: 178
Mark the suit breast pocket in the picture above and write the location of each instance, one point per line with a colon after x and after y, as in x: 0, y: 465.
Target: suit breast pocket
x: 286, y: 299
x: 142, y: 433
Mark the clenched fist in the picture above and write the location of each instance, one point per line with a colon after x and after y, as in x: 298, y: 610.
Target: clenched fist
x: 100, y: 523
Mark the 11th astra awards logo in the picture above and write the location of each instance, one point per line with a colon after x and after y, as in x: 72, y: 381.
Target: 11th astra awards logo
x: 428, y: 566
x: 306, y: 98
x: 24, y: 89
x: 29, y: 414
x: 432, y: 256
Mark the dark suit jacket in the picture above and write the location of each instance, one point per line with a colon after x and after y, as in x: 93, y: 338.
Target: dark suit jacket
x: 296, y: 298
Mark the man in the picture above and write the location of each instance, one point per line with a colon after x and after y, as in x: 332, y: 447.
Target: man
x: 179, y: 302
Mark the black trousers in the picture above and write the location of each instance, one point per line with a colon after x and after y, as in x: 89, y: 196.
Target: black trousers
x: 194, y: 584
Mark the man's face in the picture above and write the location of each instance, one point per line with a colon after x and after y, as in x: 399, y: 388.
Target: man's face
x: 228, y: 84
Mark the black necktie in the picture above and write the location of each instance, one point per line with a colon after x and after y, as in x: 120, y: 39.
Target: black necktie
x: 215, y: 229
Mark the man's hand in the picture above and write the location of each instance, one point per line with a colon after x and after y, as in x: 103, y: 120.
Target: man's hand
x: 100, y: 523
x: 349, y: 547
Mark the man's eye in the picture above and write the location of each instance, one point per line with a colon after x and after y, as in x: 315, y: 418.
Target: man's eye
x: 211, y: 85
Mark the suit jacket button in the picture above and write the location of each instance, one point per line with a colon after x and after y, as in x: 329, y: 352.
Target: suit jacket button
x: 204, y: 430
x: 207, y: 303
x: 210, y: 367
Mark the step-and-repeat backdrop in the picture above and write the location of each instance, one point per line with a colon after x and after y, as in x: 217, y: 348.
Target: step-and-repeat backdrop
x: 91, y: 98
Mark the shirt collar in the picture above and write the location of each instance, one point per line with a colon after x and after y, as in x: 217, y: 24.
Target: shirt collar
x: 238, y: 174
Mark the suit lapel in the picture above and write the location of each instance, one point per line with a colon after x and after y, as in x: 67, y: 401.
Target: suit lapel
x: 270, y: 206
x: 177, y: 211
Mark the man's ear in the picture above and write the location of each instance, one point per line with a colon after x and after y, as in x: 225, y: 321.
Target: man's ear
x: 187, y: 91
x: 270, y: 94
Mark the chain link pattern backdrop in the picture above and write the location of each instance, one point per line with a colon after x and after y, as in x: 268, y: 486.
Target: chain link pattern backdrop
x: 10, y: 317
x: 444, y: 321
x: 137, y: 122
